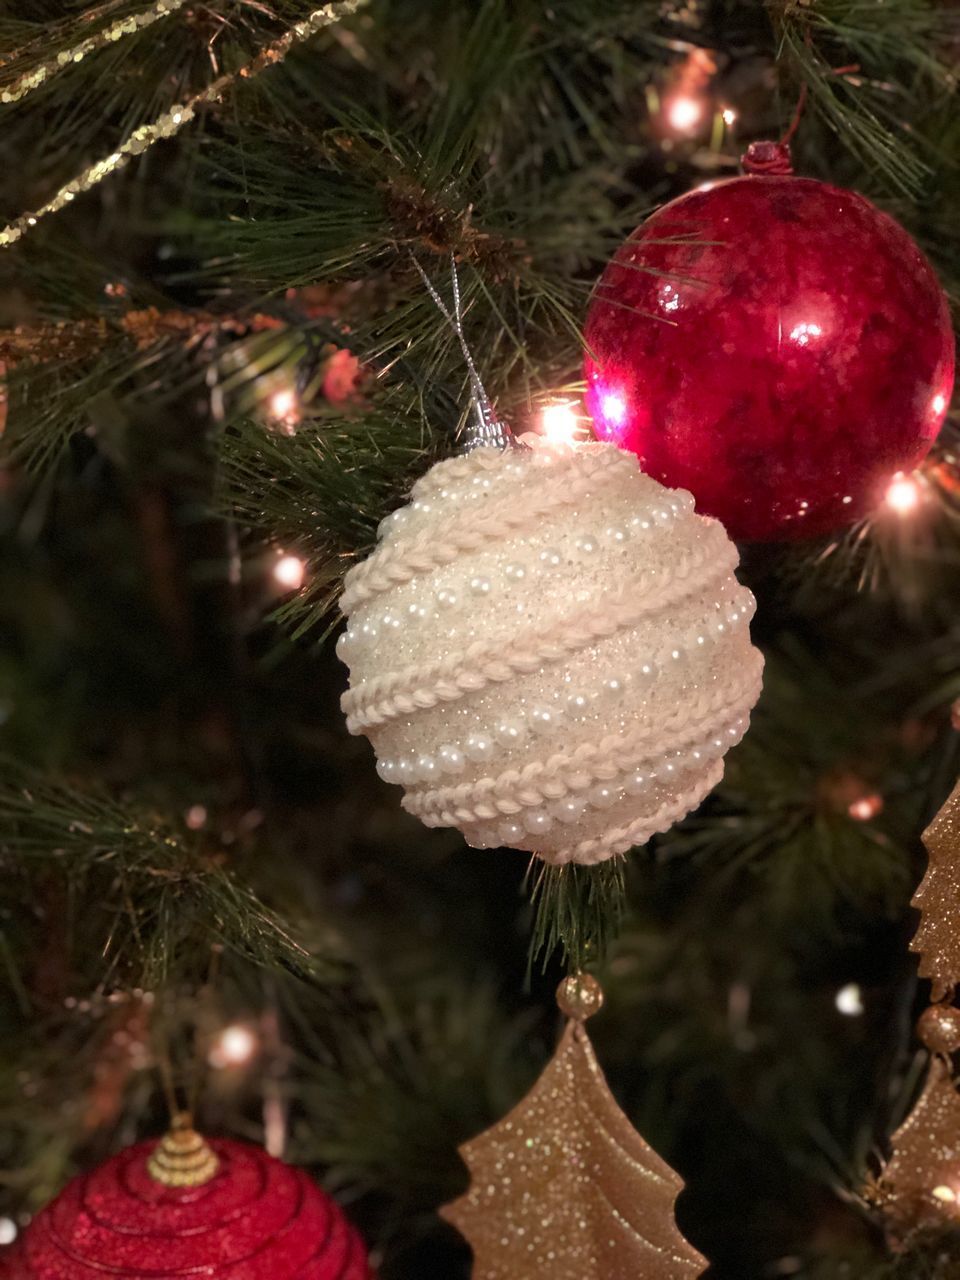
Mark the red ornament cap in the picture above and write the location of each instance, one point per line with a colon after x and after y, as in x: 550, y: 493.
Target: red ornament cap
x: 767, y: 157
x: 251, y: 1218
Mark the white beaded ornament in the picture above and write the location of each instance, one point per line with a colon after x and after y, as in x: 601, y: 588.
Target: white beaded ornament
x: 549, y: 650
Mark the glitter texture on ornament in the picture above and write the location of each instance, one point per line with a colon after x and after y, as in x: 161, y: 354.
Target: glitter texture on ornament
x: 920, y: 1184
x: 564, y: 1187
x: 937, y: 939
x: 223, y: 1210
x: 776, y: 345
x: 549, y: 651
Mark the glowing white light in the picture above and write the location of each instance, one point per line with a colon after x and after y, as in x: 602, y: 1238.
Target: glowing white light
x: 849, y: 1000
x: 560, y: 424
x: 8, y: 1231
x: 802, y: 333
x: 196, y: 816
x: 945, y: 1194
x: 283, y: 404
x: 613, y: 407
x: 684, y: 113
x: 274, y: 1126
x: 938, y: 403
x: 903, y: 494
x: 729, y: 116
x: 865, y: 807
x: 234, y: 1046
x: 290, y: 572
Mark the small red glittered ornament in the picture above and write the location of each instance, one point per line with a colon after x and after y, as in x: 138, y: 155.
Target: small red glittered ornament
x: 776, y: 345
x: 221, y: 1211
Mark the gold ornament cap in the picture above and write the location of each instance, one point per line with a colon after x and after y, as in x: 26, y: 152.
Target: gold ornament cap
x: 182, y: 1158
x: 939, y: 1028
x: 580, y: 996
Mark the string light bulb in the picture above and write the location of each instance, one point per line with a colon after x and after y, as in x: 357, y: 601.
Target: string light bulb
x: 289, y: 572
x: 849, y: 1000
x: 196, y: 817
x: 865, y: 807
x: 233, y: 1047
x: 686, y: 101
x: 684, y: 113
x: 903, y: 494
x: 283, y: 409
x: 560, y: 423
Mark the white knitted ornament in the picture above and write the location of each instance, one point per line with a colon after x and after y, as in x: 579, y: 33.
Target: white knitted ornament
x: 549, y: 650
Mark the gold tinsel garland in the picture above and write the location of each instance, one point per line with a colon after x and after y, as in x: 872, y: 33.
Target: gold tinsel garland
x: 62, y: 341
x: 120, y: 27
x: 174, y: 119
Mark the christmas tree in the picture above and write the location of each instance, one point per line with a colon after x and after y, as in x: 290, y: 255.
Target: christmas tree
x: 265, y: 268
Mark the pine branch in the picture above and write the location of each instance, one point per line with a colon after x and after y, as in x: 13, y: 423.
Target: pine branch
x: 322, y: 492
x: 154, y: 897
x: 577, y: 912
x: 784, y: 808
x: 896, y: 52
x: 388, y: 1095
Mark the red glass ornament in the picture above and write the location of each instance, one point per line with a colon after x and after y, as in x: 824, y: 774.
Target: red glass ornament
x: 256, y: 1219
x: 777, y: 346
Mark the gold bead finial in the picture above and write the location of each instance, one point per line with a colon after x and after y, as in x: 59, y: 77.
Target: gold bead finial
x: 182, y: 1158
x: 580, y: 996
x: 939, y: 1028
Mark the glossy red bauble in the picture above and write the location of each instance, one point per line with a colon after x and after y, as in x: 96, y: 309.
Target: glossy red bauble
x: 777, y: 346
x: 255, y: 1219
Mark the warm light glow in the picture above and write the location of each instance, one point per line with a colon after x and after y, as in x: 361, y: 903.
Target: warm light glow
x: 613, y: 408
x: 560, y: 424
x: 684, y: 113
x: 938, y: 403
x: 234, y: 1046
x: 865, y: 807
x: 196, y: 816
x: 274, y: 1125
x: 946, y: 1194
x: 290, y: 572
x: 283, y: 410
x: 8, y: 1231
x: 729, y: 116
x: 849, y: 1000
x: 283, y: 404
x: 903, y: 494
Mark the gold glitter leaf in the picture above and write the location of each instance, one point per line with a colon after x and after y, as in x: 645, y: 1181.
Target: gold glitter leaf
x: 920, y: 1185
x: 938, y: 899
x: 565, y: 1187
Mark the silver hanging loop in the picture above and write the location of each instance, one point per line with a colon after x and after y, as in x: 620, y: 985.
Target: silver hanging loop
x: 485, y: 429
